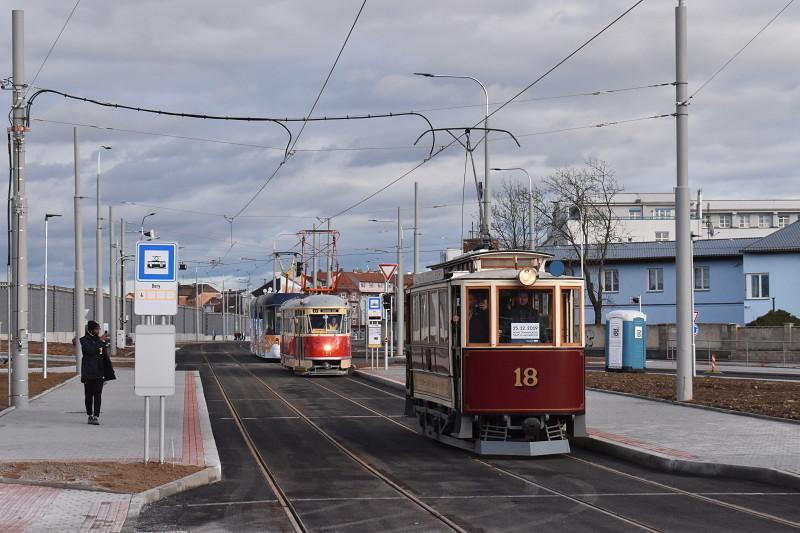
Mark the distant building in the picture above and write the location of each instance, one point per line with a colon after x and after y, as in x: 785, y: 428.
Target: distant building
x: 735, y: 280
x: 644, y: 217
x: 196, y: 295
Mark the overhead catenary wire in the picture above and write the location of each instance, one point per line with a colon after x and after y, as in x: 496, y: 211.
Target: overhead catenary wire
x: 502, y: 106
x: 52, y: 47
x: 742, y: 49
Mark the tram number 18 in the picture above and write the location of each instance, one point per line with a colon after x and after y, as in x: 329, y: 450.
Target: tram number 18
x: 526, y: 377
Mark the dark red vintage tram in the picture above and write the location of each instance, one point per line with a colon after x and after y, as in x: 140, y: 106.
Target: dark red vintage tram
x: 496, y: 355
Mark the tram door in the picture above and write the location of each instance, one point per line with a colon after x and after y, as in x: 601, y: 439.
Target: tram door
x: 455, y: 339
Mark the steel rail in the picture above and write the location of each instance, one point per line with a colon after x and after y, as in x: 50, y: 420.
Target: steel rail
x: 511, y: 474
x: 282, y: 498
x: 745, y: 510
x: 363, y: 463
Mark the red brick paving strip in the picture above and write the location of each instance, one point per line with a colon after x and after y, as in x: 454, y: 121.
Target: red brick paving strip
x: 641, y: 444
x: 21, y: 504
x: 193, y: 453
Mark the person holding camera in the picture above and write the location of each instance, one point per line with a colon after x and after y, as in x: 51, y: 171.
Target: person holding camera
x: 96, y: 368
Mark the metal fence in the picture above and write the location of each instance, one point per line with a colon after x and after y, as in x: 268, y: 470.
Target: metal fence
x: 744, y: 351
x: 190, y: 323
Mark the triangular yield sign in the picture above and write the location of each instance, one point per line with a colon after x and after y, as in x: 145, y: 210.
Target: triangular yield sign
x: 388, y: 270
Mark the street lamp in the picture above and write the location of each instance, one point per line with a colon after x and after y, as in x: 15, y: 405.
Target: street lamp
x: 98, y: 295
x: 531, y: 223
x: 47, y: 217
x: 485, y: 221
x: 141, y: 230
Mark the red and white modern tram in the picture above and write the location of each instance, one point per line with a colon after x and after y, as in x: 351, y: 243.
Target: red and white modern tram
x: 496, y: 355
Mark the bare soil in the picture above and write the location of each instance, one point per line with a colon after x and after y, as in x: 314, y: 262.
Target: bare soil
x: 36, y: 384
x: 62, y: 348
x: 126, y: 478
x: 771, y: 398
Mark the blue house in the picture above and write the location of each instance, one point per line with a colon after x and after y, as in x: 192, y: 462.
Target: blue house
x: 735, y: 280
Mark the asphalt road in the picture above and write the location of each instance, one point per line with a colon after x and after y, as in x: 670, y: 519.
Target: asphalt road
x: 336, y: 454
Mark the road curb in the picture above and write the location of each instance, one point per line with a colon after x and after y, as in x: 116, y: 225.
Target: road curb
x: 375, y: 378
x: 669, y: 464
x: 209, y: 475
x: 697, y: 406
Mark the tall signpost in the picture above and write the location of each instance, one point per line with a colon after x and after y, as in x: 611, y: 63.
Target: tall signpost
x: 388, y: 270
x: 156, y: 293
x: 374, y: 316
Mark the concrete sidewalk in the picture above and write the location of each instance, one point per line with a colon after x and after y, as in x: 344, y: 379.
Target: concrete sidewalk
x: 679, y: 438
x: 54, y: 429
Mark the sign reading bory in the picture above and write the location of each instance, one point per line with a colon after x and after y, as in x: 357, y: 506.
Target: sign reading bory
x: 156, y: 278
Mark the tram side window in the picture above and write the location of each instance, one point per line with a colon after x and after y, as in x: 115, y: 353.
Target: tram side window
x: 571, y: 315
x: 525, y: 316
x: 424, y: 317
x: 434, y: 312
x: 478, y: 318
x: 415, y: 318
x: 443, y: 331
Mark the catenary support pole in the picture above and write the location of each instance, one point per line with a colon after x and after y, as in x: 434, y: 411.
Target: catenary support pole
x: 19, y: 221
x: 416, y: 228
x: 44, y: 321
x: 400, y: 286
x: 112, y: 282
x: 79, y: 295
x: 162, y: 412
x: 683, y: 259
x: 98, y: 272
x: 122, y: 301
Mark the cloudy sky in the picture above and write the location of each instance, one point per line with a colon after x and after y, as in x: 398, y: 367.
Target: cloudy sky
x: 269, y: 59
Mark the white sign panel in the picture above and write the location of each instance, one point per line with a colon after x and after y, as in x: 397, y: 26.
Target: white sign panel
x: 528, y: 331
x: 374, y: 307
x: 156, y: 298
x: 374, y: 336
x: 154, y: 371
x: 637, y: 332
x: 615, y: 343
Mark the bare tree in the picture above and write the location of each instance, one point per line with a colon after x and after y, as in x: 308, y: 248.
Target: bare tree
x: 510, y: 216
x: 576, y: 205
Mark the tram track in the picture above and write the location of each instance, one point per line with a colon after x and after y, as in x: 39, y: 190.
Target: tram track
x: 281, y: 496
x: 578, y: 499
x: 664, y: 486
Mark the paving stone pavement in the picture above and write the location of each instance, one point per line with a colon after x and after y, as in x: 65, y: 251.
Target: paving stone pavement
x: 54, y: 428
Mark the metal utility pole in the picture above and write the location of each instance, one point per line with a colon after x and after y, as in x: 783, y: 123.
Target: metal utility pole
x: 416, y: 227
x: 112, y: 282
x: 683, y: 255
x: 400, y: 285
x: 47, y: 218
x: 196, y: 306
x: 79, y: 293
x: 121, y: 309
x: 98, y: 295
x: 18, y: 350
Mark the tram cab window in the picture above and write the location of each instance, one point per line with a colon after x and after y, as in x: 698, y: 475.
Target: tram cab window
x: 478, y: 316
x: 327, y: 323
x: 525, y: 316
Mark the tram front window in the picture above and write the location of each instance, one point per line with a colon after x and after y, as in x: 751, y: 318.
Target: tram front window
x: 327, y: 323
x: 524, y: 316
x: 478, y: 319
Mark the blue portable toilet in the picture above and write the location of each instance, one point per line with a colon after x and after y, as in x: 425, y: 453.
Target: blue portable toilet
x: 626, y: 340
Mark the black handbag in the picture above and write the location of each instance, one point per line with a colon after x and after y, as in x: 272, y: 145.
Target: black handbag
x: 108, y: 368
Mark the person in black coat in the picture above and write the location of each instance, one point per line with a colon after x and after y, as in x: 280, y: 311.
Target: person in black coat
x: 95, y: 369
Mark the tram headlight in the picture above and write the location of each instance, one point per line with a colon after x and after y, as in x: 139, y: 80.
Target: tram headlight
x: 527, y: 276
x: 327, y: 347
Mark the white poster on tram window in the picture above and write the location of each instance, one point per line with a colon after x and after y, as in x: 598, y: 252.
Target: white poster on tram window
x: 527, y: 331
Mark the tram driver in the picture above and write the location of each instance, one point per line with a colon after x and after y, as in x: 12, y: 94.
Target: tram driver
x: 333, y: 323
x: 479, y: 317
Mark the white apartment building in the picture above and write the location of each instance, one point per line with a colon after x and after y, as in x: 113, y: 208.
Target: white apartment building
x: 646, y: 217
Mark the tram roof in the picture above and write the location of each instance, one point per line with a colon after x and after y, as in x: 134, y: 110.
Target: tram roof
x: 314, y: 300
x: 493, y: 254
x: 507, y: 274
